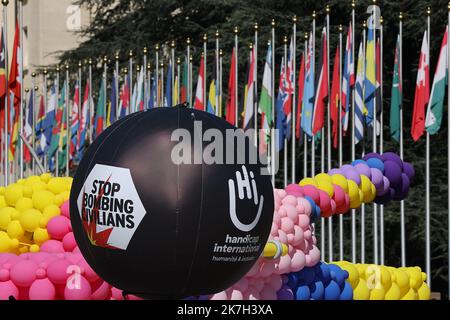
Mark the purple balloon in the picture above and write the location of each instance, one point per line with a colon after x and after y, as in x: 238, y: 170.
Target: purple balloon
x: 390, y: 156
x: 408, y: 169
x: 372, y: 155
x: 393, y: 172
x: 364, y: 169
x: 294, y: 190
x: 334, y: 171
x: 401, y: 190
x: 377, y: 178
x: 385, y: 198
x: 285, y: 294
x: 384, y: 188
x: 350, y: 173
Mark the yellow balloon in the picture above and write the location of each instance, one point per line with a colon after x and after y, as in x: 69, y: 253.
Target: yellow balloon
x: 13, y: 193
x: 5, y: 242
x: 34, y: 248
x: 5, y: 219
x: 410, y: 295
x: 373, y: 193
x: 40, y: 235
x: 51, y: 211
x: 15, y: 230
x: 21, y: 182
x: 353, y: 274
x: 424, y: 292
x: 24, y: 204
x: 377, y: 294
x: 27, y: 191
x: 2, y: 190
x: 386, y: 280
x: 59, y: 200
x: 65, y: 195
x: 308, y: 181
x: 341, y: 181
x: 56, y: 185
x: 29, y: 219
x: 366, y: 188
x: 32, y: 180
x: 23, y: 249
x: 393, y: 293
x: 38, y: 186
x: 361, y: 292
x: 45, y: 177
x: 324, y: 177
x: 402, y: 280
x: 353, y: 190
x: 355, y: 203
x: 42, y: 199
x: 325, y: 186
x: 415, y: 278
x: 2, y: 202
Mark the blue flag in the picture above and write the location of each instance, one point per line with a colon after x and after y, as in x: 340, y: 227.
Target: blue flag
x: 168, y: 98
x: 308, y: 92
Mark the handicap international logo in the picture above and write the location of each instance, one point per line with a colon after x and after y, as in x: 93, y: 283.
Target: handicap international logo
x: 110, y: 207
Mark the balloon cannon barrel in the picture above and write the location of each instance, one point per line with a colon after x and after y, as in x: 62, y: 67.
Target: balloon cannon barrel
x: 274, y: 249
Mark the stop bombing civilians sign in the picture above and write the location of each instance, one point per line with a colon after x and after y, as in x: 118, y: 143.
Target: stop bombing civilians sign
x: 159, y: 229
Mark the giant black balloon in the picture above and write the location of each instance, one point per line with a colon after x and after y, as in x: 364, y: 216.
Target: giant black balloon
x: 162, y: 229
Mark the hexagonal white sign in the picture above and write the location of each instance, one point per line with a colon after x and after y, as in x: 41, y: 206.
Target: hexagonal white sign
x: 110, y: 207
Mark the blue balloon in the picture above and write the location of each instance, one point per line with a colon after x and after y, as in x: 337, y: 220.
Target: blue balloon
x: 323, y: 273
x: 332, y: 291
x: 313, y: 206
x: 376, y: 163
x: 337, y: 274
x: 306, y: 276
x: 317, y: 290
x: 292, y: 280
x: 303, y: 293
x: 354, y: 163
x: 347, y: 292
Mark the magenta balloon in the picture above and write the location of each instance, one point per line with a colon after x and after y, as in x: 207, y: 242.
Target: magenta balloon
x: 334, y: 171
x: 372, y: 155
x: 42, y: 289
x: 23, y: 273
x: 82, y: 291
x: 393, y: 172
x: 364, y: 169
x: 324, y: 203
x: 390, y: 156
x: 57, y: 271
x: 294, y: 190
x: 377, y: 178
x: 8, y: 289
x: 7, y: 258
x: 338, y: 195
x: 311, y: 192
x: 408, y: 169
x: 52, y: 246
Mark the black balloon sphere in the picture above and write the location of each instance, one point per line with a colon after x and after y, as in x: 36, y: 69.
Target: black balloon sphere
x: 154, y: 217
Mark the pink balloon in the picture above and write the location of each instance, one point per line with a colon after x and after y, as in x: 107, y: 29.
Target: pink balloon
x: 298, y: 235
x: 291, y: 211
x: 103, y: 292
x: 7, y: 257
x: 287, y: 225
x: 58, y: 227
x: 303, y: 221
x: 298, y: 261
x: 4, y: 275
x: 236, y: 295
x: 8, y: 289
x: 69, y: 242
x: 78, y: 289
x: 57, y: 271
x: 220, y: 296
x: 295, y: 190
x: 242, y: 284
x: 65, y: 209
x: 284, y: 264
x: 52, y: 246
x: 116, y: 294
x: 88, y: 272
x: 42, y: 289
x: 289, y: 199
x: 251, y: 294
x: 74, y: 258
x: 339, y: 195
x: 282, y: 236
x: 23, y: 273
x: 324, y: 202
x: 282, y: 212
x: 311, y: 192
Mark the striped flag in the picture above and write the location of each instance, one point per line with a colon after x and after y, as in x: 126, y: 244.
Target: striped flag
x: 74, y: 122
x: 322, y: 87
x: 308, y: 91
x: 265, y: 103
x: 250, y: 97
x: 301, y: 81
x: 84, y: 118
x: 199, y: 103
x: 348, y: 79
x: 397, y: 95
x: 334, y: 100
x: 231, y: 101
x: 370, y: 76
x: 360, y: 109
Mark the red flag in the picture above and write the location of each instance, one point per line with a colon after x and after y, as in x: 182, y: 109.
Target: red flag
x: 334, y: 101
x: 14, y: 76
x: 199, y: 104
x: 422, y: 94
x: 322, y: 86
x: 301, y: 83
x: 231, y: 101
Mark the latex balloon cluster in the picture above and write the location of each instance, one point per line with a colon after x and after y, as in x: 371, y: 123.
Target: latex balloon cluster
x: 375, y: 178
x: 373, y: 282
x: 321, y: 282
x: 25, y: 209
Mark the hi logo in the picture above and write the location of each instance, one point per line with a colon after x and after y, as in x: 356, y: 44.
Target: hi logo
x: 244, y: 185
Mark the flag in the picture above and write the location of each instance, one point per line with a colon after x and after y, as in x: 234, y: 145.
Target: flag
x: 185, y: 80
x: 176, y: 94
x: 265, y: 102
x: 370, y: 76
x: 249, y: 113
x: 28, y: 128
x: 152, y: 100
x: 2, y: 68
x: 112, y: 103
x: 57, y: 125
x: 322, y: 87
x: 84, y: 120
x: 74, y: 122
x: 435, y: 107
x: 280, y: 115
x: 168, y: 97
x: 289, y: 89
x: 301, y: 82
x: 348, y: 79
x: 14, y: 75
x: 231, y: 101
x: 212, y: 98
x: 199, y: 93
x: 422, y: 93
x: 360, y: 109
x: 99, y: 114
x: 124, y: 98
x: 396, y: 96
x: 39, y: 128
x: 334, y: 101
x: 47, y: 124
x: 308, y: 92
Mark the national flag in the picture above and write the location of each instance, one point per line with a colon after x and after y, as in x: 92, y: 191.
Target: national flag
x: 280, y: 115
x: 184, y: 83
x: 301, y: 83
x: 47, y: 124
x: 100, y: 112
x: 435, y: 107
x: 112, y: 114
x: 308, y: 92
x: 28, y: 128
x: 168, y: 95
x: 84, y: 120
x: 74, y: 122
x: 212, y: 98
x: 422, y: 93
x: 14, y: 75
x: 2, y: 68
x: 360, y: 109
x: 265, y: 102
x: 370, y: 80
x: 231, y: 101
x: 396, y: 95
x: 124, y: 98
x: 322, y: 87
x: 199, y: 93
x: 152, y: 100
x: 249, y: 113
x: 289, y: 89
x: 335, y: 97
x: 58, y: 123
x: 348, y: 79
x: 176, y: 92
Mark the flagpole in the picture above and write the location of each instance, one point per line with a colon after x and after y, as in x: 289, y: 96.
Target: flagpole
x: 5, y: 133
x: 381, y: 139
x: 138, y: 71
x: 162, y: 83
x: 294, y: 100
x: 33, y: 124
x: 172, y: 52
x: 363, y: 207
x: 285, y: 155
x: 427, y: 177
x: 91, y: 105
x: 236, y: 76
x: 220, y: 82
x: 57, y: 107
x: 272, y: 136
x: 374, y: 140
x: 178, y: 80
x: 353, y: 155
x: 116, y: 84
x: 313, y: 67
x: 305, y: 137
x: 217, y: 66
x: 322, y: 220
x: 341, y: 220
x: 448, y: 154
x: 190, y: 80
x: 255, y: 87
x: 402, y: 203
x: 130, y: 75
x: 21, y: 116
x: 205, y: 43
x: 45, y: 111
x: 188, y: 55
x: 158, y: 104
x: 145, y: 51
x: 68, y: 111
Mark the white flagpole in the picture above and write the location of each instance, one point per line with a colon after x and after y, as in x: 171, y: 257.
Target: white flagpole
x: 178, y: 79
x: 236, y: 68
x: 116, y: 84
x: 21, y: 110
x: 341, y: 220
x: 5, y: 133
x: 217, y: 81
x: 294, y: 102
x: 374, y: 141
x: 33, y: 124
x: 57, y: 106
x: 363, y: 208
x: 285, y: 173
x: 91, y: 105
x: 322, y: 220
x: 448, y: 153
x: 172, y: 54
x: 68, y: 111
x: 161, y: 71
x: 131, y: 82
x: 427, y: 178
x: 313, y: 67
x: 205, y: 42
x: 272, y: 137
x: 188, y: 89
x: 381, y: 139
x: 220, y: 81
x: 158, y: 93
x: 402, y: 203
x: 353, y: 132
x: 255, y: 86
x: 145, y: 80
x: 45, y: 111
x: 305, y: 137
